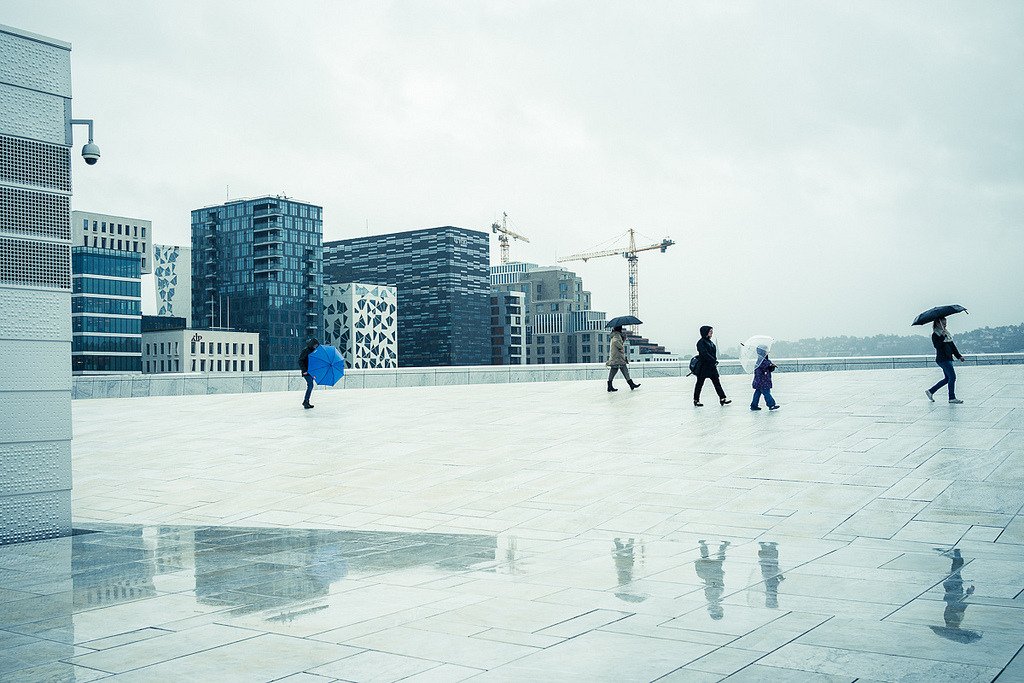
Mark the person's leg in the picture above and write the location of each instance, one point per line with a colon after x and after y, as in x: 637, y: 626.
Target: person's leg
x: 945, y: 376
x: 757, y: 399
x: 309, y: 389
x: 718, y: 387
x: 611, y: 376
x: 768, y: 398
x: 950, y: 375
x: 697, y: 387
x: 625, y: 374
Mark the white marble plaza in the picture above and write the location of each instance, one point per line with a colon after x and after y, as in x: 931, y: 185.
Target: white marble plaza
x: 537, y: 532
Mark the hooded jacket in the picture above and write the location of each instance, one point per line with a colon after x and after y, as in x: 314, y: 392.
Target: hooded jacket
x: 708, y: 353
x: 304, y: 357
x: 763, y: 371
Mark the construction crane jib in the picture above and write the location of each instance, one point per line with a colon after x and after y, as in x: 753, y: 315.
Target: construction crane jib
x: 630, y: 254
x: 503, y: 234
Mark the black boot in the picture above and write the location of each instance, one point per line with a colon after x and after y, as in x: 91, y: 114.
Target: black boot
x: 633, y: 385
x: 610, y: 387
x: 307, y: 406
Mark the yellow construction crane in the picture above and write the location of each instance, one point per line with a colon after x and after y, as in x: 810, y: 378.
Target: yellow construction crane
x: 630, y: 253
x: 503, y: 234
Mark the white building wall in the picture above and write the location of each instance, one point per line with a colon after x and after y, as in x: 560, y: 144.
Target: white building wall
x: 117, y: 233
x: 203, y: 351
x: 361, y: 320
x: 172, y: 268
x: 35, y: 287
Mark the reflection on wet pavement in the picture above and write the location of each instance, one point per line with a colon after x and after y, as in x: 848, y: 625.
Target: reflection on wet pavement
x: 170, y: 603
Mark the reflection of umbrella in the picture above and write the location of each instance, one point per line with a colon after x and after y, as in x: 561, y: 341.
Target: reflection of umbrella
x: 933, y: 314
x: 326, y: 365
x: 624, y: 320
x: 960, y: 635
x: 749, y: 357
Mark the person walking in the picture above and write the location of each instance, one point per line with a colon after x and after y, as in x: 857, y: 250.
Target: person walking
x: 763, y: 381
x: 304, y: 367
x: 707, y: 368
x: 617, y: 360
x: 945, y: 352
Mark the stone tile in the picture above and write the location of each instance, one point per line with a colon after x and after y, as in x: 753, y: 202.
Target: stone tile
x: 148, y: 651
x: 375, y: 667
x: 443, y: 647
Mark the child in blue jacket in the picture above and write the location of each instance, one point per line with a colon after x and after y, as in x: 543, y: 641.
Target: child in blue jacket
x: 763, y: 381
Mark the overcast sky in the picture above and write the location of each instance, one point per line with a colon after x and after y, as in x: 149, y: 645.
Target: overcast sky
x: 825, y: 168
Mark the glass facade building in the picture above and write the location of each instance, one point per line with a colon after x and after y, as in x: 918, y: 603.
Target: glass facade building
x: 106, y: 311
x: 257, y: 267
x: 444, y: 306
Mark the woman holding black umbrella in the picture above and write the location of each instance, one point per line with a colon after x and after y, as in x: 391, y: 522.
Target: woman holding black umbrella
x: 617, y: 360
x: 707, y: 368
x: 945, y: 352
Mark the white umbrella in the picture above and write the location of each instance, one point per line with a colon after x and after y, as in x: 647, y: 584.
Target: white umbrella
x: 749, y: 357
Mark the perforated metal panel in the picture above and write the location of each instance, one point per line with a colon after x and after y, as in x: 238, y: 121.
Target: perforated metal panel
x: 34, y: 516
x: 35, y: 213
x: 35, y: 64
x: 31, y: 114
x: 34, y: 467
x: 27, y: 162
x: 35, y: 315
x: 39, y: 264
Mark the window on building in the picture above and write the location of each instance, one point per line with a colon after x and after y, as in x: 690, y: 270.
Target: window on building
x: 177, y: 365
x: 540, y: 339
x: 147, y: 349
x: 103, y: 242
x: 202, y: 347
x: 219, y: 365
x: 161, y: 348
x: 143, y: 234
x: 250, y: 349
x: 250, y: 366
x: 234, y: 366
x: 147, y: 366
x: 193, y: 365
x: 161, y: 366
x: 234, y: 349
x: 176, y: 348
x: 219, y: 351
x: 202, y: 365
x: 193, y: 347
x: 103, y: 226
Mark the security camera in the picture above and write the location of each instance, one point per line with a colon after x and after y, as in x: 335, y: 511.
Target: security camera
x: 91, y: 153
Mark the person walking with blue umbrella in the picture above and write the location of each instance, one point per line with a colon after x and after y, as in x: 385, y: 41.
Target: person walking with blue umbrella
x: 311, y: 346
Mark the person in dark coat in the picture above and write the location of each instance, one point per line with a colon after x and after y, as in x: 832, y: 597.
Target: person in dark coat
x: 708, y: 367
x: 304, y: 367
x: 763, y: 381
x: 945, y: 352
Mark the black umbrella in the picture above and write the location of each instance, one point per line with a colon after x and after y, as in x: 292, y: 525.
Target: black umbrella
x: 624, y: 320
x: 933, y: 314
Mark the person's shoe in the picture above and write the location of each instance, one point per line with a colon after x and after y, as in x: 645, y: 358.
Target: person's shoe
x: 930, y: 395
x: 725, y: 401
x: 611, y: 388
x: 955, y: 401
x: 755, y: 407
x: 698, y: 404
x: 307, y: 406
x: 775, y: 407
x: 633, y: 386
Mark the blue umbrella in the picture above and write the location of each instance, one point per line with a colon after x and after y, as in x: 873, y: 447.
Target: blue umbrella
x: 326, y: 365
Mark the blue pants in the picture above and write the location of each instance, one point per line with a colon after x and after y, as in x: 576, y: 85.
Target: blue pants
x: 309, y: 387
x: 767, y: 393
x: 948, y: 377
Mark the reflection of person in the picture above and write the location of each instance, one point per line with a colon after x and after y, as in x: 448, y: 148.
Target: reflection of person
x: 763, y: 381
x: 617, y: 361
x: 712, y: 573
x: 768, y: 558
x: 945, y: 352
x: 304, y: 367
x: 624, y: 557
x: 707, y: 368
x: 955, y: 597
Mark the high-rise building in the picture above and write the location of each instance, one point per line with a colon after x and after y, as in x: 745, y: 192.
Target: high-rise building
x: 257, y: 267
x: 115, y: 233
x: 443, y: 292
x: 35, y: 286
x: 508, y: 328
x: 362, y: 321
x: 172, y: 268
x: 106, y: 311
x: 560, y: 325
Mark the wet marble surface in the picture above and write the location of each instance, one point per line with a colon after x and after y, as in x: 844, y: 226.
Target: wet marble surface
x: 536, y: 532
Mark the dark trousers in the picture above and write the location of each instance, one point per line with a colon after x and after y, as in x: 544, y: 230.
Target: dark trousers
x: 948, y: 377
x: 309, y: 387
x: 700, y: 385
x: 619, y: 368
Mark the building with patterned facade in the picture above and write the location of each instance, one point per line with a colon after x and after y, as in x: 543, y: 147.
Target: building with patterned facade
x: 106, y: 311
x: 35, y: 286
x: 443, y: 292
x: 257, y: 267
x: 172, y: 270
x: 361, y: 320
x: 116, y: 233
